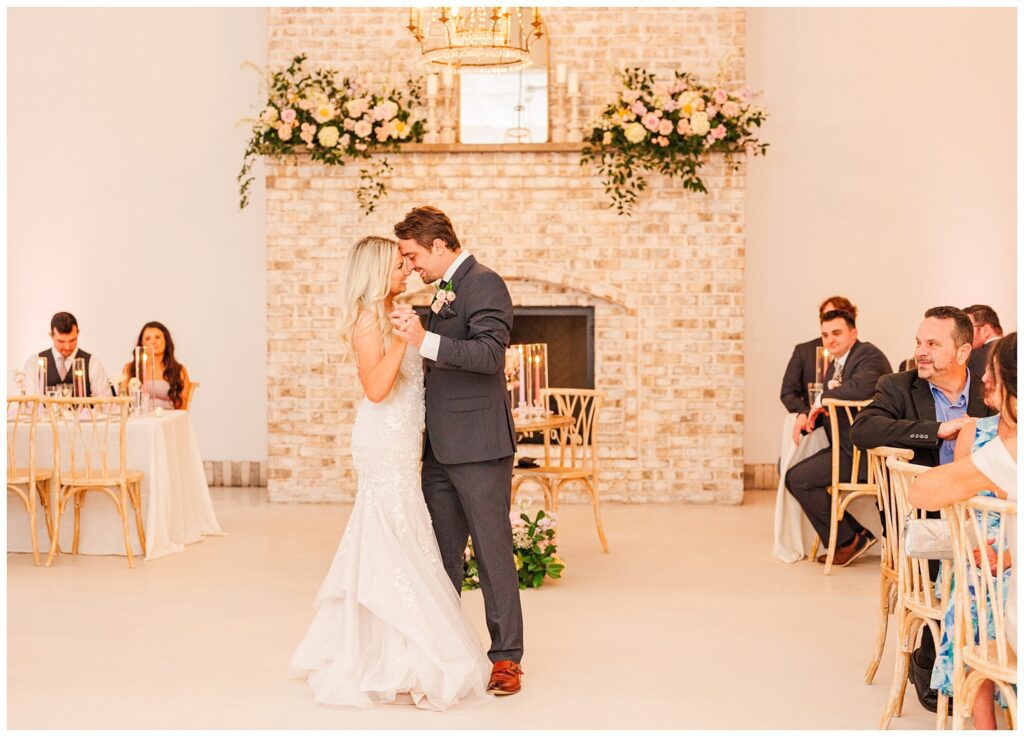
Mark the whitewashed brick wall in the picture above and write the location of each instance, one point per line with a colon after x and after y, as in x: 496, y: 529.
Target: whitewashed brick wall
x: 667, y: 285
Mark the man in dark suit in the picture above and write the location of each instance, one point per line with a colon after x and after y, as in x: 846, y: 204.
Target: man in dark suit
x: 469, y: 441
x: 987, y: 330
x: 801, y: 368
x: 852, y: 375
x: 923, y: 410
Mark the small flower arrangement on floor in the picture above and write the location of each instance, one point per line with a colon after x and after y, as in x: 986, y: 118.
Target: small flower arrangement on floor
x: 312, y: 113
x: 667, y: 127
x: 534, y: 548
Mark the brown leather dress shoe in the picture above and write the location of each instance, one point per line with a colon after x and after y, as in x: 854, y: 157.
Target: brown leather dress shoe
x: 506, y: 678
x: 846, y: 554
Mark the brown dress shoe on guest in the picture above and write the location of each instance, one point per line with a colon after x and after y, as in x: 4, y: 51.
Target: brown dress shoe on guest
x: 846, y: 554
x: 506, y: 678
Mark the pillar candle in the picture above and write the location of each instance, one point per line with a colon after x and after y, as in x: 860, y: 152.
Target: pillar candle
x: 574, y: 83
x: 522, y: 378
x: 560, y: 73
x: 41, y: 376
x: 536, y: 379
x: 138, y: 367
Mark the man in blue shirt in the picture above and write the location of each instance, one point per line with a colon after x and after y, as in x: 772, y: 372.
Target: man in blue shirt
x: 923, y: 410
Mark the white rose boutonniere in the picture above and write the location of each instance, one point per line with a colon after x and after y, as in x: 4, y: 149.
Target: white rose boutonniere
x: 441, y: 304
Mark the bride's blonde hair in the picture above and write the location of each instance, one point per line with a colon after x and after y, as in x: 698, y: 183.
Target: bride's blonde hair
x: 365, y: 284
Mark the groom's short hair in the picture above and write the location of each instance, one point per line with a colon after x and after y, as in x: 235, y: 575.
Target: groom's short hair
x: 424, y: 224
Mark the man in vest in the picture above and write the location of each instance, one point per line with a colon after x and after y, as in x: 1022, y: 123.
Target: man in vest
x: 60, y: 361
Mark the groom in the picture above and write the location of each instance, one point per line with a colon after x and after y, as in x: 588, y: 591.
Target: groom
x: 470, y: 438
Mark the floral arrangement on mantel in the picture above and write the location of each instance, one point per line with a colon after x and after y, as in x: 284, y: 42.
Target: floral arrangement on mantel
x: 669, y: 128
x: 534, y: 548
x: 311, y: 113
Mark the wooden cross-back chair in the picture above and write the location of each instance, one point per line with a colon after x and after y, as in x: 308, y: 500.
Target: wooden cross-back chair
x: 918, y: 603
x: 575, y: 457
x: 892, y: 529
x: 29, y: 480
x: 90, y: 426
x: 989, y: 656
x: 843, y: 492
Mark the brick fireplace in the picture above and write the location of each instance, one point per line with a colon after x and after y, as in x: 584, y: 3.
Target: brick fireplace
x: 666, y: 286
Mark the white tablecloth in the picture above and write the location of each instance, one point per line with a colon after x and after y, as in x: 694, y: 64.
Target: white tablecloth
x: 176, y: 505
x: 794, y: 535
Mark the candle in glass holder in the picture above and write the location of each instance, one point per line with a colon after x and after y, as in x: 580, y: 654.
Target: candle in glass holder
x: 138, y: 362
x: 79, y: 377
x: 536, y: 379
x: 41, y: 370
x: 522, y: 384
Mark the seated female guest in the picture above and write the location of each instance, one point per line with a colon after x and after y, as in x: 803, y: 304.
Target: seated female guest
x: 167, y: 378
x: 985, y: 464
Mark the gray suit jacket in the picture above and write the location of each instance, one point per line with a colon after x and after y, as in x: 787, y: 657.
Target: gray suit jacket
x: 469, y: 418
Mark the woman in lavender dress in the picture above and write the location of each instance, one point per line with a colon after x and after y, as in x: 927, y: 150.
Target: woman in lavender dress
x: 167, y: 380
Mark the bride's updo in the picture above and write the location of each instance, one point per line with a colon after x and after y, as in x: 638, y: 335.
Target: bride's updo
x: 365, y: 284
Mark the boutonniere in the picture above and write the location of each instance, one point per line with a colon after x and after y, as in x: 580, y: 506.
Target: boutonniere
x: 441, y: 305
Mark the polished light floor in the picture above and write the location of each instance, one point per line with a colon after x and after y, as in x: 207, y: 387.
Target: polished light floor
x: 688, y: 623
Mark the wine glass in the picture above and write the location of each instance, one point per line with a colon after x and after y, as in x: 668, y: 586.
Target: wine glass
x: 814, y: 390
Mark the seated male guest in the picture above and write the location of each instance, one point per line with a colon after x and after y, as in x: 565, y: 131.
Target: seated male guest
x: 923, y: 410
x: 60, y: 360
x: 800, y: 371
x: 986, y: 331
x: 852, y: 375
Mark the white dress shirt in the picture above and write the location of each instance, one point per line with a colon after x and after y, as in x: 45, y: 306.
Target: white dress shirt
x: 97, y: 374
x: 432, y: 341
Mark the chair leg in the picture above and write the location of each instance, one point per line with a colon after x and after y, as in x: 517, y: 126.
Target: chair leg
x: 58, y: 505
x: 883, y: 628
x: 137, y: 503
x: 833, y: 530
x: 44, y: 500
x: 79, y: 498
x: 894, y: 705
x: 592, y: 488
x: 32, y: 522
x: 814, y: 549
x: 941, y: 711
x: 123, y: 510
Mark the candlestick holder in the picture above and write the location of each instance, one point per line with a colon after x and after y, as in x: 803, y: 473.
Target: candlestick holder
x: 530, y: 377
x: 447, y: 132
x: 558, y: 117
x: 575, y: 132
x: 430, y: 124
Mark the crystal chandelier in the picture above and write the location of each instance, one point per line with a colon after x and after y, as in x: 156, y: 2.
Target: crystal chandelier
x: 486, y: 39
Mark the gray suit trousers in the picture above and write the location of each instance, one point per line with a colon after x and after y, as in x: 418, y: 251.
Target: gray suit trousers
x: 473, y: 499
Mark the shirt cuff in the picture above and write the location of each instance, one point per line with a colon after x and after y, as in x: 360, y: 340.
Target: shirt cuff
x: 430, y: 346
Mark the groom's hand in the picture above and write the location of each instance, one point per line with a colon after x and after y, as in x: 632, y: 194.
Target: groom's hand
x: 407, y: 324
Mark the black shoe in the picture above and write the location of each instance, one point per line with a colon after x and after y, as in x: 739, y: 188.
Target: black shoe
x: 921, y: 676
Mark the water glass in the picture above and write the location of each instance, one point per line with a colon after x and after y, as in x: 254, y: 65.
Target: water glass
x: 814, y: 390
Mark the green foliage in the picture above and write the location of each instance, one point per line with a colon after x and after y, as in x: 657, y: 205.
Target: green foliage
x: 668, y: 128
x: 534, y: 549
x: 333, y: 122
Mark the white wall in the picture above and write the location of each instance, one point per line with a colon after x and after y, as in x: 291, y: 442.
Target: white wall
x: 890, y: 179
x: 123, y: 150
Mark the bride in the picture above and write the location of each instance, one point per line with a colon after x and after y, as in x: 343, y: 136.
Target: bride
x: 388, y: 625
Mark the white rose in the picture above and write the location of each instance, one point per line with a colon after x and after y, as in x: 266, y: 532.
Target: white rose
x: 328, y: 136
x: 634, y: 132
x: 363, y: 128
x: 699, y: 123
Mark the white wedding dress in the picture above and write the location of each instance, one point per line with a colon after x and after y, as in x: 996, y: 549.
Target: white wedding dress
x: 389, y: 626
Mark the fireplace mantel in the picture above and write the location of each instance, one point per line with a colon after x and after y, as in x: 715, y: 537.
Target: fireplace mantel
x: 476, y: 148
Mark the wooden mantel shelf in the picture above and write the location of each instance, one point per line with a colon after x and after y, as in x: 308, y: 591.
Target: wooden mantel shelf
x: 475, y: 148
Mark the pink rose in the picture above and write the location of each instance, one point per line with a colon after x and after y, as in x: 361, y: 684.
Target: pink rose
x: 288, y: 116
x: 630, y: 96
x: 307, y: 132
x: 360, y: 146
x: 665, y: 127
x: 671, y: 105
x: 435, y: 306
x: 721, y: 96
x: 730, y: 109
x: 284, y: 132
x: 638, y: 108
x: 349, y: 124
x: 651, y: 122
x: 712, y: 111
x: 683, y: 128
x: 449, y: 296
x: 718, y: 132
x: 661, y: 141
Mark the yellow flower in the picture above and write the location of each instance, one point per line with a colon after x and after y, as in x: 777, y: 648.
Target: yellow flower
x: 519, y: 561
